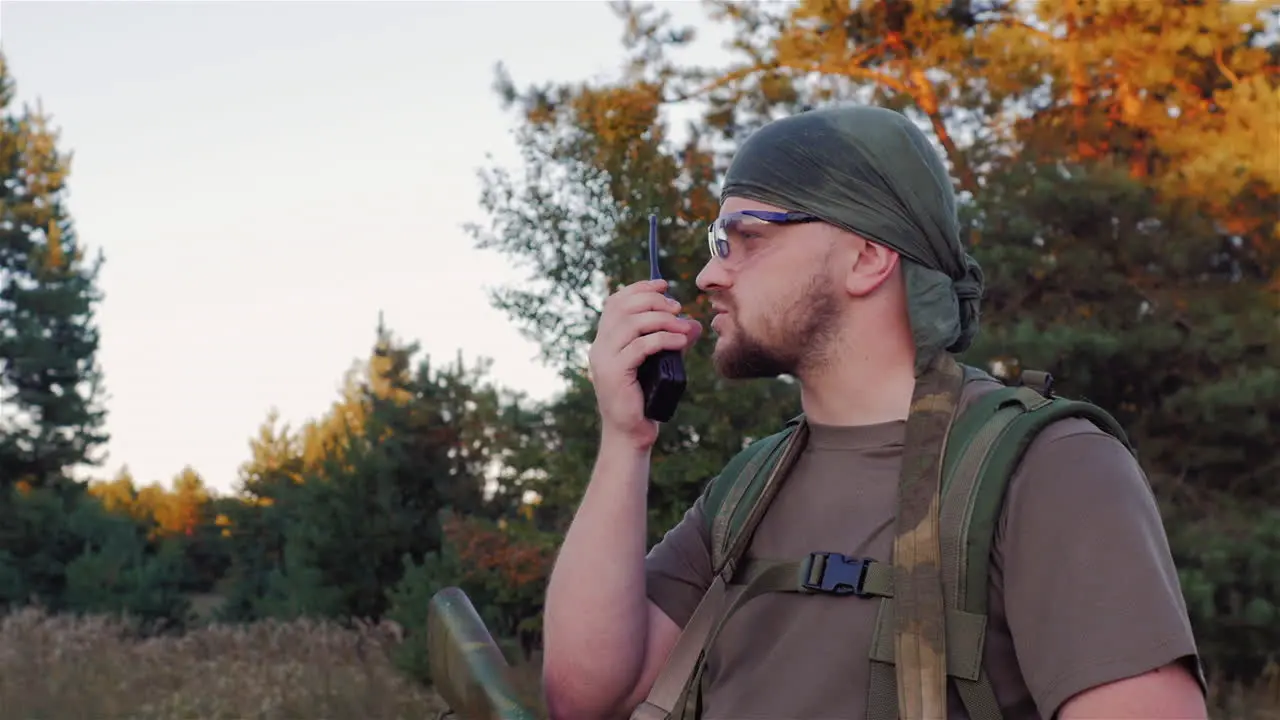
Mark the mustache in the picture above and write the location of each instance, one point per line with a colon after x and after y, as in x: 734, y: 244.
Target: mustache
x: 720, y: 303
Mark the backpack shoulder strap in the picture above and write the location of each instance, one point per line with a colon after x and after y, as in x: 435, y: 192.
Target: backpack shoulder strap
x: 978, y: 467
x: 733, y: 503
x: 735, y: 494
x: 984, y: 448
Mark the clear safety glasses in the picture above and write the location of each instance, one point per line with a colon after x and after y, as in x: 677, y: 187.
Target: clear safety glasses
x: 728, y: 231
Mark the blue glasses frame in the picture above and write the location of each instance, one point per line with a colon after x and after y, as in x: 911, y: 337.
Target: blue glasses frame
x: 718, y: 233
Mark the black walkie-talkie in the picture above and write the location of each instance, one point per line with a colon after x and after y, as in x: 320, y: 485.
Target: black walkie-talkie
x: 661, y: 375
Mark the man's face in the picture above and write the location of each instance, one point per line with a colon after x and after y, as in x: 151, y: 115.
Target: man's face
x: 775, y: 294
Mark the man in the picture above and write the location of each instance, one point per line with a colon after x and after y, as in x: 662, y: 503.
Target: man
x: 837, y: 260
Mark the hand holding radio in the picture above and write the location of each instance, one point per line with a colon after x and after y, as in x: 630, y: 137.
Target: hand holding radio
x: 635, y: 360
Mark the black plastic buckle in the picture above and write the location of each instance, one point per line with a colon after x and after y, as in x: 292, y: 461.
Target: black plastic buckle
x: 835, y: 574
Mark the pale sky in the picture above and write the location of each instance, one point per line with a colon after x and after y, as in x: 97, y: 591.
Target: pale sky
x: 265, y: 177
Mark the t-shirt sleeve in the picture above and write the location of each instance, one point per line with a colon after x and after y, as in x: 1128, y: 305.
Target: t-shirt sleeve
x: 1091, y: 592
x: 678, y: 567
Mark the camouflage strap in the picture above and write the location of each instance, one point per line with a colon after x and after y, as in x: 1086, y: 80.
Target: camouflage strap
x: 920, y: 646
x: 975, y: 433
x: 986, y: 445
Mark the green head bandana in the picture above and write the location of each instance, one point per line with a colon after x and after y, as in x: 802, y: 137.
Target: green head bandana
x: 871, y: 171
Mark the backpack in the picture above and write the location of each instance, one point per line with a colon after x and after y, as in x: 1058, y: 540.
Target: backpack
x: 983, y: 448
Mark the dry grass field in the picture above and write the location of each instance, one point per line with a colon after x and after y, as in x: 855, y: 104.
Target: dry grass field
x: 61, y: 668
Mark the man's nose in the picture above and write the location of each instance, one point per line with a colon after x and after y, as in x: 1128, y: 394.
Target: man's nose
x: 713, y: 276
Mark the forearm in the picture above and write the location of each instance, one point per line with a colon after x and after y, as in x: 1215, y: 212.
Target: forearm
x: 595, y: 620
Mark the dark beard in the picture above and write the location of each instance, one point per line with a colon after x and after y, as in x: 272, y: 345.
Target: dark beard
x: 800, y: 342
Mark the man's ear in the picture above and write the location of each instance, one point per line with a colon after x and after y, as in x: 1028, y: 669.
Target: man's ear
x: 873, y: 265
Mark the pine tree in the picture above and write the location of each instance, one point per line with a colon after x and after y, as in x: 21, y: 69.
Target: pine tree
x: 50, y: 383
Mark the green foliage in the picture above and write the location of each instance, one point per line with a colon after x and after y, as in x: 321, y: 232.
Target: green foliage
x: 124, y: 577
x: 49, y: 379
x: 69, y: 553
x: 408, y: 601
x: 327, y: 534
x: 1143, y: 305
x: 297, y: 587
x: 1229, y: 566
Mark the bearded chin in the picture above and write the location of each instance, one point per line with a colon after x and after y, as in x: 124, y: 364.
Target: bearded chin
x: 746, y: 358
x: 799, y: 340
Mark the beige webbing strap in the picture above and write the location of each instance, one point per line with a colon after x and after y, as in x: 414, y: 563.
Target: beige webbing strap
x: 678, y: 683
x: 682, y: 674
x: 779, y: 578
x: 670, y: 689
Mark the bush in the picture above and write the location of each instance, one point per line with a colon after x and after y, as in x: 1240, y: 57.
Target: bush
x: 66, y: 551
x: 503, y: 567
x: 1229, y: 567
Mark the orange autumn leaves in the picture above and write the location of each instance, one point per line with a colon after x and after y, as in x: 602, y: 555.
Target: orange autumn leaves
x: 488, y: 549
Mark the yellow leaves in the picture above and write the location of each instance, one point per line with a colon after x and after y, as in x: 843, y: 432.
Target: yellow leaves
x: 54, y: 257
x: 1130, y: 105
x: 617, y: 114
x: 623, y: 122
x: 1203, y: 46
x: 1218, y: 155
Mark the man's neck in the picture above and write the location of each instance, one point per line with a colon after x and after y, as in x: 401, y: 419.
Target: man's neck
x: 861, y: 387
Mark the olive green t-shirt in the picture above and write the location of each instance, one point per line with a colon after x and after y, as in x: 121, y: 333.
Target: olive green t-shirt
x: 1083, y: 588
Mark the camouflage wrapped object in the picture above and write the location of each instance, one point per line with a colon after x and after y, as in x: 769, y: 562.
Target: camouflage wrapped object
x: 920, y: 645
x: 467, y: 666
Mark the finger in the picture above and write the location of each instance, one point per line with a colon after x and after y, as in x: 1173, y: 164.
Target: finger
x: 617, y: 333
x: 642, y: 347
x: 638, y: 302
x: 641, y: 286
x: 647, y: 323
